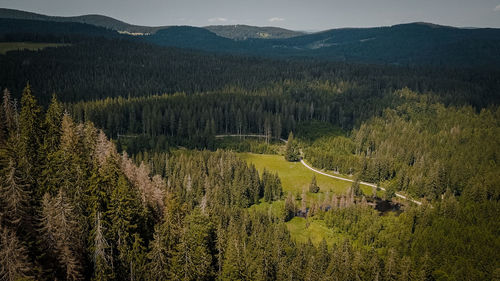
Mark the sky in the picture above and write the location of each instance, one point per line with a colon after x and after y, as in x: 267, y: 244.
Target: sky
x: 306, y: 15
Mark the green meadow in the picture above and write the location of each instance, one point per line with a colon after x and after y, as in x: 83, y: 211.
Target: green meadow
x: 301, y: 229
x: 295, y: 177
x: 14, y: 46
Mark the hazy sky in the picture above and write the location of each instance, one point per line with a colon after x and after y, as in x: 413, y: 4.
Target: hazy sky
x: 293, y: 14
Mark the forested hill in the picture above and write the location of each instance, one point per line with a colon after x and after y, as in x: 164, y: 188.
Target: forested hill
x: 97, y: 20
x: 15, y: 30
x: 405, y: 44
x: 241, y: 32
x: 73, y: 208
x: 228, y: 31
x: 100, y: 68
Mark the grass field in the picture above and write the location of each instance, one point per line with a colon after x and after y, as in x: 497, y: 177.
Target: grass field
x: 13, y: 46
x: 299, y: 230
x: 316, y: 231
x: 275, y: 207
x: 294, y: 176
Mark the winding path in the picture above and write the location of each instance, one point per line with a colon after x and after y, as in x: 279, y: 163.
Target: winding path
x: 361, y: 182
x: 320, y: 172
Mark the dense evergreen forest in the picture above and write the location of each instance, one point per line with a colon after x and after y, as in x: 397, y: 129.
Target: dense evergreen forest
x: 111, y: 167
x: 410, y: 44
x: 97, y: 67
x: 73, y: 208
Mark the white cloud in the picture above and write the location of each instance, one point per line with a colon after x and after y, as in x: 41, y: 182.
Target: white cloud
x: 497, y: 8
x: 275, y: 19
x: 218, y: 19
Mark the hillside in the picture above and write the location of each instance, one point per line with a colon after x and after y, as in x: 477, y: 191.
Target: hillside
x: 238, y: 32
x: 242, y: 32
x: 404, y: 44
x: 12, y: 30
x: 97, y: 20
x: 179, y: 153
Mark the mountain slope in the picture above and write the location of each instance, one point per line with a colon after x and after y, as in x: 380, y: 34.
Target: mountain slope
x: 242, y: 32
x: 414, y: 43
x: 12, y: 30
x: 404, y: 44
x: 98, y: 20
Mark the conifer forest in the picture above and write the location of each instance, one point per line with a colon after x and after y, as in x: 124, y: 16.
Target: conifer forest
x: 147, y: 157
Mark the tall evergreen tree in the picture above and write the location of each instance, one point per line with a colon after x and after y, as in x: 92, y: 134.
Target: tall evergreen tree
x: 163, y: 247
x: 30, y: 129
x: 62, y: 234
x: 15, y: 191
x: 194, y: 257
x: 101, y: 253
x: 52, y: 126
x: 313, y: 187
x: 292, y: 152
x: 14, y: 259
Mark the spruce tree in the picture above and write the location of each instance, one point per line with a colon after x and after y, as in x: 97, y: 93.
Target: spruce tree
x: 14, y: 259
x: 234, y: 267
x: 30, y: 129
x: 290, y: 209
x: 292, y: 152
x: 194, y: 257
x: 9, y: 115
x: 101, y: 253
x: 52, y: 126
x: 15, y: 194
x: 61, y: 232
x: 313, y: 187
x: 124, y: 213
x: 167, y: 235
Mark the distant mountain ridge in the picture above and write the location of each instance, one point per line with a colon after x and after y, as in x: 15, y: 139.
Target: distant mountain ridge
x: 97, y: 20
x: 404, y: 44
x: 243, y: 32
x: 238, y: 32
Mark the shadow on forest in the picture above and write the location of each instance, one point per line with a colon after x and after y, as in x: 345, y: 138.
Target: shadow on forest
x: 386, y: 206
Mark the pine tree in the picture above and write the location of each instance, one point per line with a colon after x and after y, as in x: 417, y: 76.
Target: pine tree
x: 234, y: 266
x: 303, y: 205
x: 62, y: 233
x: 52, y: 126
x: 102, y: 254
x: 289, y: 210
x: 6, y: 117
x: 313, y: 187
x: 14, y: 260
x: 160, y: 254
x: 355, y: 188
x: 318, y: 263
x: 167, y: 235
x: 30, y: 130
x: 14, y: 188
x: 391, y: 270
x: 9, y: 114
x: 124, y: 211
x: 137, y: 259
x: 194, y: 257
x: 292, y: 152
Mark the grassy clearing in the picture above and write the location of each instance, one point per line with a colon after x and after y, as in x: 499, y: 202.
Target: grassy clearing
x: 299, y: 230
x: 316, y: 231
x: 276, y: 207
x: 294, y: 176
x: 14, y: 46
